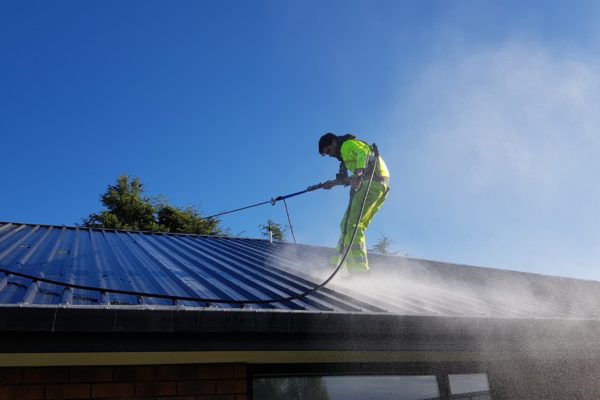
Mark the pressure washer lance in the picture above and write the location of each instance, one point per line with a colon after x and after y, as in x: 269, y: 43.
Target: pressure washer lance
x: 341, y: 179
x: 272, y: 201
x: 287, y: 196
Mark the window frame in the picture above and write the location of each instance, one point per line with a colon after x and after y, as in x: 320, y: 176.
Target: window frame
x: 439, y: 370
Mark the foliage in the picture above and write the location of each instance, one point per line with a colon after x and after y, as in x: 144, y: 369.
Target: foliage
x: 128, y: 208
x: 188, y: 220
x: 383, y: 246
x: 277, y: 229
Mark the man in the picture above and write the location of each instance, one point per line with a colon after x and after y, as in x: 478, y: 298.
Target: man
x: 357, y: 157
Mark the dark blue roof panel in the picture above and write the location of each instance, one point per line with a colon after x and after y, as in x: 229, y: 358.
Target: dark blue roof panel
x: 236, y: 268
x: 167, y: 264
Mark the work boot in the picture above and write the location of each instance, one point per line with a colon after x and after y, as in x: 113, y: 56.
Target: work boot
x: 356, y: 276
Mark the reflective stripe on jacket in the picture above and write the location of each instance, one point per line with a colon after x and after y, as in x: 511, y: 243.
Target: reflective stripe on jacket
x: 355, y: 155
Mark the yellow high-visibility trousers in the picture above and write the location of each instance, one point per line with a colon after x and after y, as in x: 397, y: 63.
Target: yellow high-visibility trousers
x: 356, y: 261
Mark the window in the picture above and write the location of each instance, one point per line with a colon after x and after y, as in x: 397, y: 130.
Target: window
x: 358, y: 387
x: 469, y: 387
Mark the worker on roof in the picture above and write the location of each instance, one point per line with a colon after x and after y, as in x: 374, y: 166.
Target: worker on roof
x: 359, y: 158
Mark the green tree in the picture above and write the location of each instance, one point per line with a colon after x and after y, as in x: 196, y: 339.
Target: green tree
x: 188, y: 220
x: 128, y: 208
x: 277, y: 229
x: 383, y: 246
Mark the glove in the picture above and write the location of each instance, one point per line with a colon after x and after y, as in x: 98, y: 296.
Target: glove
x: 329, y: 184
x: 356, y: 182
x: 357, y: 178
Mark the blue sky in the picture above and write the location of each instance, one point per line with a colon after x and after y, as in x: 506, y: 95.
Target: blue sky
x: 485, y: 112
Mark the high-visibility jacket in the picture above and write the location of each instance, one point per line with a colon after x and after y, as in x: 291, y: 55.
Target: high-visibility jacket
x: 355, y: 155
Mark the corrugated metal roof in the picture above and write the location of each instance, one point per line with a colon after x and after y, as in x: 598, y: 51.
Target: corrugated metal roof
x: 180, y: 265
x: 236, y: 268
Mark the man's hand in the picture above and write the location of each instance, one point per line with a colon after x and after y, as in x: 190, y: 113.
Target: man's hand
x: 356, y: 182
x: 357, y: 179
x: 329, y: 184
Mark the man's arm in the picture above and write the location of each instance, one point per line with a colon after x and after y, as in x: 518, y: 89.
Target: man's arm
x: 330, y: 184
x: 336, y: 182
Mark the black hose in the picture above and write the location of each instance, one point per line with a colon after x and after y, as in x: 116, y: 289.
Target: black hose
x: 203, y: 299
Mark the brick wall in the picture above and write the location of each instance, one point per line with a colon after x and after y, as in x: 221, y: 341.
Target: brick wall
x: 198, y: 382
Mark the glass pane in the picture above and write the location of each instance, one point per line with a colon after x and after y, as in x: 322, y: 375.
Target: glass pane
x: 469, y: 387
x: 347, y: 388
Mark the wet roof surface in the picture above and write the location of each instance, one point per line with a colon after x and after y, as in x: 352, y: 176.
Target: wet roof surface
x: 236, y: 268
